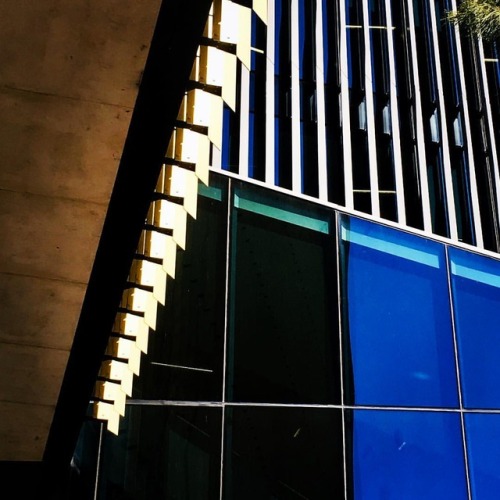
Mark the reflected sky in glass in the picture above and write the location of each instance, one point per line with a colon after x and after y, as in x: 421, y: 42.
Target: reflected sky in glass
x: 476, y: 297
x: 397, y: 324
x: 483, y: 437
x: 406, y: 455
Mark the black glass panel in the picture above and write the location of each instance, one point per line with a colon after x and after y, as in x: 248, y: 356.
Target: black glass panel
x: 284, y: 344
x: 333, y: 121
x: 283, y: 453
x: 257, y: 111
x: 283, y: 86
x: 163, y: 452
x: 184, y: 359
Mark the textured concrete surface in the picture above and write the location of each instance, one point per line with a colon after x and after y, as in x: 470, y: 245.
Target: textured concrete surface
x: 24, y: 429
x: 69, y: 75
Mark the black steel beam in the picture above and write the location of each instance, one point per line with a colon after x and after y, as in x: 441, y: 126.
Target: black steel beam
x: 176, y: 38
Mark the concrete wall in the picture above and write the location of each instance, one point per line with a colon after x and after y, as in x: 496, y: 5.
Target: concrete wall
x: 69, y: 74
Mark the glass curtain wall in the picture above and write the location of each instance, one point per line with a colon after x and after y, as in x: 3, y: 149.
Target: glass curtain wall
x: 304, y: 353
x: 376, y: 105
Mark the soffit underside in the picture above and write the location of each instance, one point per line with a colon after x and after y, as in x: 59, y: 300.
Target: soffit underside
x: 69, y: 78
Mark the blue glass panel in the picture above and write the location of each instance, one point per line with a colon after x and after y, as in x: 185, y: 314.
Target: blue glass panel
x: 326, y: 48
x: 483, y: 436
x: 476, y: 297
x: 302, y: 37
x: 407, y: 455
x: 497, y: 65
x: 277, y: 28
x: 397, y: 326
x: 226, y: 129
x: 276, y: 151
x: 348, y: 45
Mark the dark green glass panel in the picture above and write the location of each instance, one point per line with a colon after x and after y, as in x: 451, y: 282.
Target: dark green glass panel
x: 283, y: 453
x: 283, y: 344
x: 184, y: 360
x: 163, y: 452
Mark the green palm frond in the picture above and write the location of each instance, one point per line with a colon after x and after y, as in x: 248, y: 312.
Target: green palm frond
x: 477, y: 18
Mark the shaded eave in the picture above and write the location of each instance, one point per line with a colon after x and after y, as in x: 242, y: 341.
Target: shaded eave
x: 176, y: 38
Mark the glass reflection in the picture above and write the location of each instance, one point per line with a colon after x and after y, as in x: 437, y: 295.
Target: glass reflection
x: 396, y: 318
x: 476, y: 297
x: 406, y: 454
x: 285, y: 453
x: 283, y: 347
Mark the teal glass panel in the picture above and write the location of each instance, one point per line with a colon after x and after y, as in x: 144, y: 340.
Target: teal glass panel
x: 283, y: 453
x: 283, y: 334
x: 476, y: 298
x: 483, y: 436
x: 408, y: 455
x: 163, y: 452
x: 397, y: 332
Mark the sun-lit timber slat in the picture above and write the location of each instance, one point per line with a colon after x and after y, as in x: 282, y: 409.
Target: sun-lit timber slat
x: 117, y: 371
x: 150, y: 274
x: 260, y: 8
x: 141, y: 301
x: 133, y: 326
x: 215, y: 67
x: 206, y: 109
x: 107, y: 411
x: 112, y: 392
x: 226, y: 40
x: 123, y: 348
x: 180, y: 183
x: 193, y: 147
x: 160, y: 246
x: 232, y: 23
x: 169, y: 216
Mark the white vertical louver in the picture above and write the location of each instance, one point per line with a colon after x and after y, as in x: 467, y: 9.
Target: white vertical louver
x: 370, y: 113
x: 344, y: 107
x: 407, y: 121
x: 491, y: 132
x: 448, y: 181
x: 295, y: 100
x: 394, y: 117
x: 320, y: 103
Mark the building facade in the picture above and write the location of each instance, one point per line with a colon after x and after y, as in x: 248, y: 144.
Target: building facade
x: 331, y: 331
